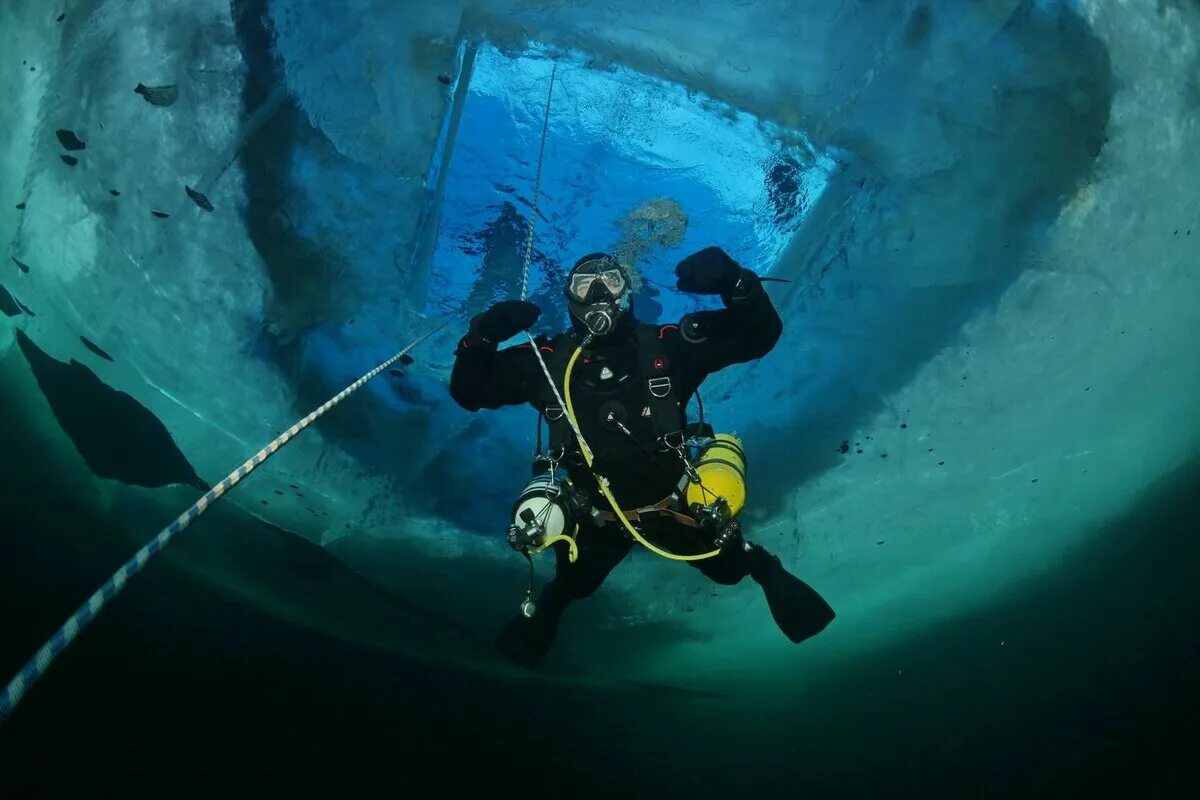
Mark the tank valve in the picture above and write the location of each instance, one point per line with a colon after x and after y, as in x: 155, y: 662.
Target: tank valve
x: 715, y: 518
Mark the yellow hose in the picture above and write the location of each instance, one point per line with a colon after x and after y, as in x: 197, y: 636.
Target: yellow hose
x: 573, y: 556
x: 587, y: 454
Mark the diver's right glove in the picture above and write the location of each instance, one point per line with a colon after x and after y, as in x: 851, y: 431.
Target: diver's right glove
x: 713, y: 271
x: 709, y: 271
x: 501, y: 321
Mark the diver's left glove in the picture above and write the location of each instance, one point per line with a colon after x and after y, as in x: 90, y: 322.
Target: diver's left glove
x: 501, y: 321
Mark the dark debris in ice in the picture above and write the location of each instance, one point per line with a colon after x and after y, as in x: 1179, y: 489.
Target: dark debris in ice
x: 20, y: 206
x: 9, y: 304
x: 199, y: 198
x: 61, y: 17
x: 161, y: 96
x: 95, y: 348
x: 161, y: 214
x: 114, y: 192
x: 20, y: 265
x: 406, y: 360
x: 118, y: 437
x: 844, y: 448
x: 69, y: 140
x: 916, y: 32
x: 70, y: 161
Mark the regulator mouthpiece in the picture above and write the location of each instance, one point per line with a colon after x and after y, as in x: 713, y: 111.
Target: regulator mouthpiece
x: 600, y: 319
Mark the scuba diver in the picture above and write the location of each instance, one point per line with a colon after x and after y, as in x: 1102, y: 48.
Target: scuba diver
x: 628, y: 397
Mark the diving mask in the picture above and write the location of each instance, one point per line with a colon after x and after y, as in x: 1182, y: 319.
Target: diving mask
x: 598, y: 293
x: 592, y: 279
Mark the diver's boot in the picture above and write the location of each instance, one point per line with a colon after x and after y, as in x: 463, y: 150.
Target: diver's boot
x: 525, y: 641
x: 798, y: 610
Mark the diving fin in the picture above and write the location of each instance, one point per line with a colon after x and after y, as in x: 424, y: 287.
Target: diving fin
x: 525, y: 641
x: 798, y: 610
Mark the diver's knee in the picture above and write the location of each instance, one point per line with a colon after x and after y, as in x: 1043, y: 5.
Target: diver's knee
x: 584, y: 589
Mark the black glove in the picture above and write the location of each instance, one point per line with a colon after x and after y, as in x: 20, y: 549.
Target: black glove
x: 710, y: 271
x: 502, y: 321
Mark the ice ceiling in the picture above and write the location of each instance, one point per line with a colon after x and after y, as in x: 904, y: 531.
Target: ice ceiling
x: 987, y: 212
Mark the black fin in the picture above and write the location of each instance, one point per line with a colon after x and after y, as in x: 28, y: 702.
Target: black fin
x: 406, y: 360
x: 798, y: 610
x: 525, y: 641
x: 21, y: 266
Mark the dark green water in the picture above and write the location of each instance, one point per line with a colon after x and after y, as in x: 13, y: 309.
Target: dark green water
x: 180, y: 686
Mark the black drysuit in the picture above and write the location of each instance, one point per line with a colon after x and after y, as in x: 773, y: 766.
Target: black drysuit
x: 608, y: 375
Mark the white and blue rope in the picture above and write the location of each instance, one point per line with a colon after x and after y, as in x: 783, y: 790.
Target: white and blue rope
x: 37, y: 666
x: 537, y: 187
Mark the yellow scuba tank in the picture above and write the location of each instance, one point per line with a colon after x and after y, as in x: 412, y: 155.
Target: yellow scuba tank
x: 721, y: 468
